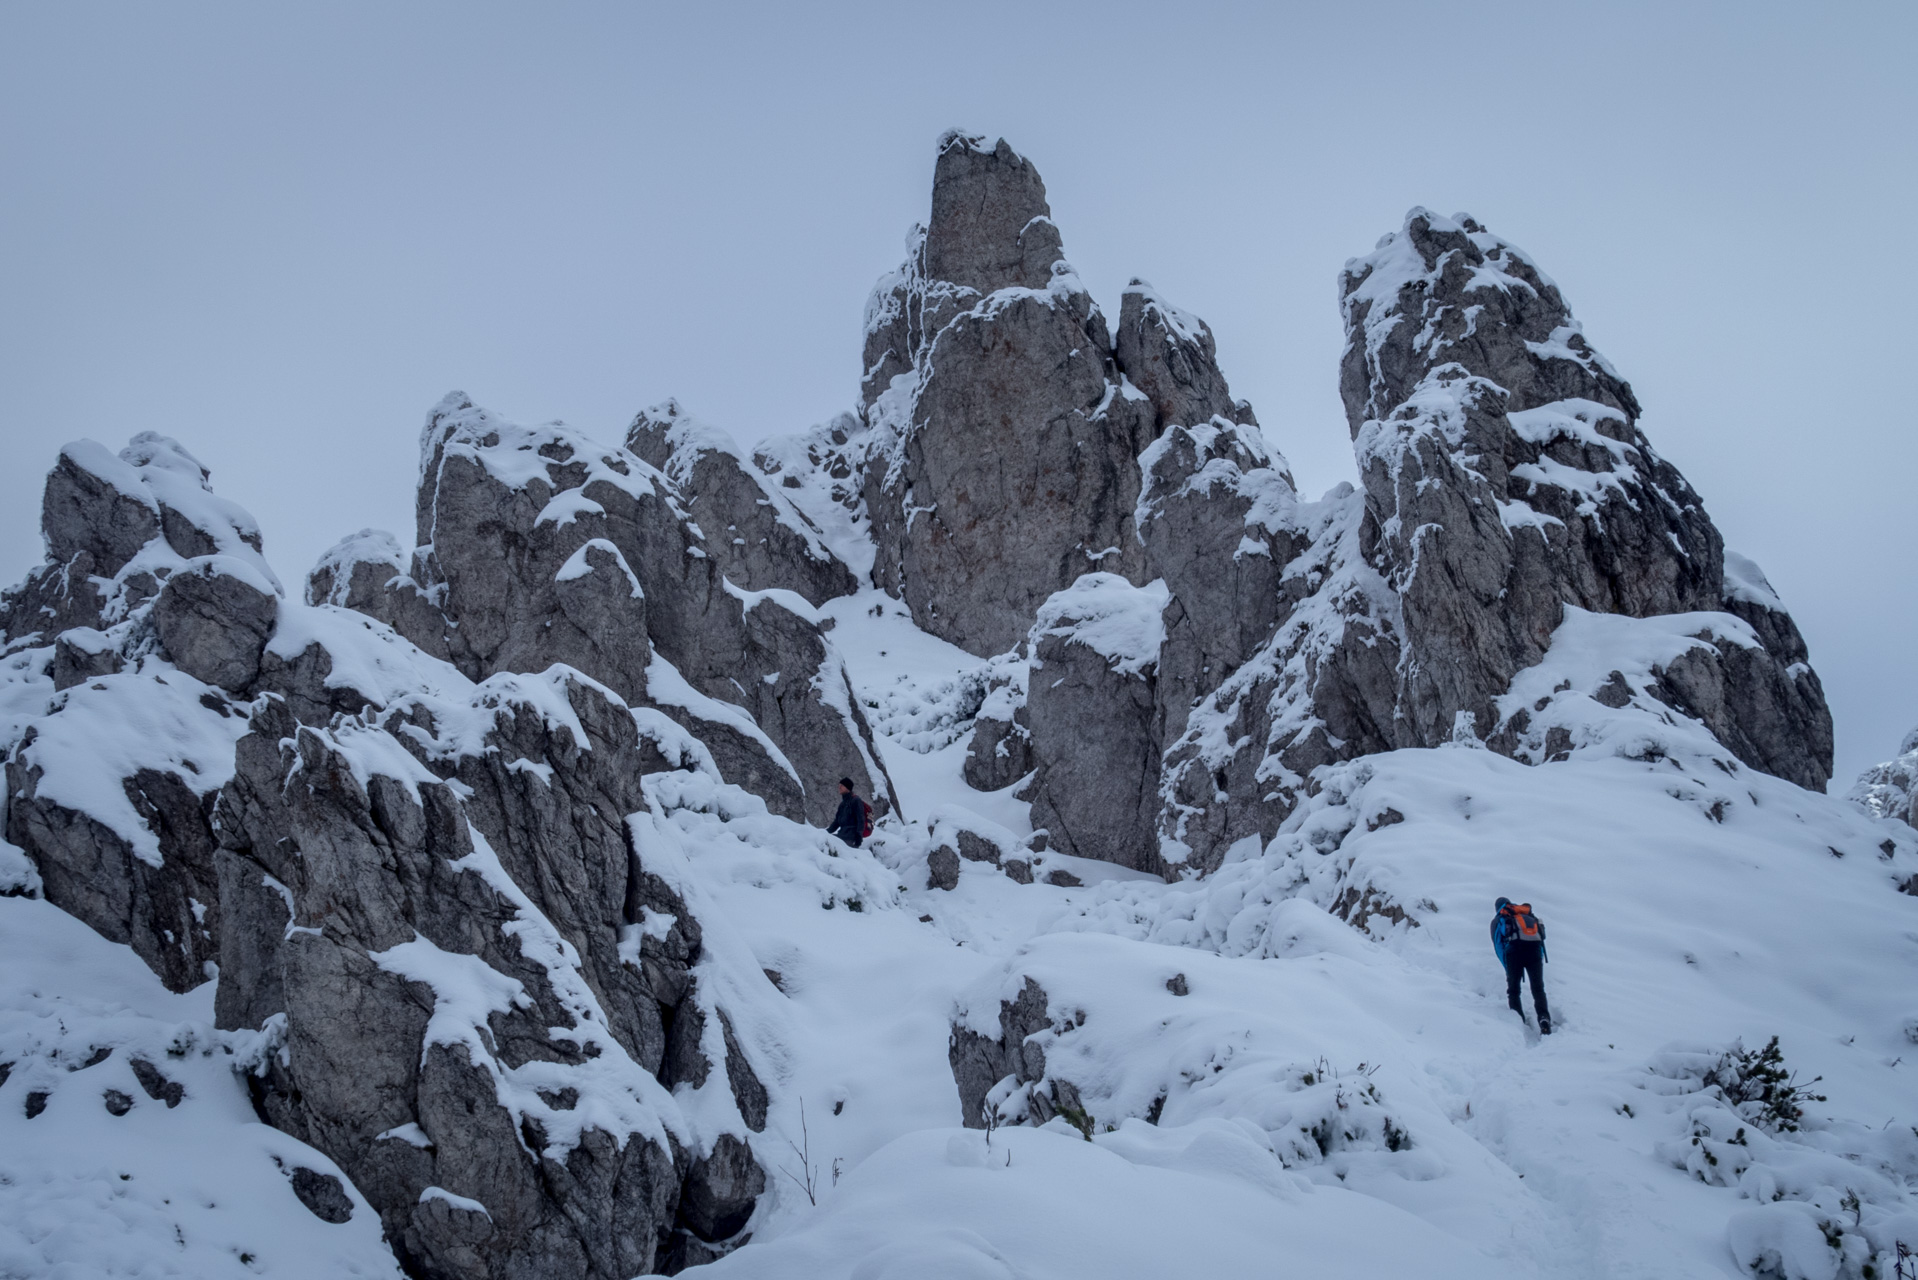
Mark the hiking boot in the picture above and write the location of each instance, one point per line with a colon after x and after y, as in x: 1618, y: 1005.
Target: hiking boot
x: 1545, y: 1026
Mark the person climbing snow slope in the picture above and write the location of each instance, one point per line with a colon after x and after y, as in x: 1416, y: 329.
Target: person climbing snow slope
x: 1518, y: 939
x: 853, y: 821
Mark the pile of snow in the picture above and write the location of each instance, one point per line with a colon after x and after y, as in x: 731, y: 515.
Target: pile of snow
x: 1121, y: 623
x: 128, y: 1145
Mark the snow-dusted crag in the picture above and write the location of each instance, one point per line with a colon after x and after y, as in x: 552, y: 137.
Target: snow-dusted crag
x: 1890, y: 790
x: 1505, y: 486
x: 538, y: 545
x: 466, y: 915
x: 1002, y: 464
x: 421, y: 871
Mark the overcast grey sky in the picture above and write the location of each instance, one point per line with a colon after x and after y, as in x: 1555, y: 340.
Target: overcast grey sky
x: 281, y: 232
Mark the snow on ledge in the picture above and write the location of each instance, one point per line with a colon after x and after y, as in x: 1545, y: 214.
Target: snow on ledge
x: 1122, y: 623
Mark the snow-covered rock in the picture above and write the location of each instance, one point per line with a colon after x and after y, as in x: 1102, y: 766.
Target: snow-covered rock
x: 754, y: 532
x: 456, y: 917
x: 1094, y: 716
x: 539, y: 545
x: 1507, y: 478
x: 1005, y: 466
x: 1890, y: 790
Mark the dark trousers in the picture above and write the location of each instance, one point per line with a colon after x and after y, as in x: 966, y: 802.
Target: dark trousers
x: 1526, y: 959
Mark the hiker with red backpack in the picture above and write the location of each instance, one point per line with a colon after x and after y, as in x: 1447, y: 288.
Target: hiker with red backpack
x: 853, y: 822
x: 1518, y: 939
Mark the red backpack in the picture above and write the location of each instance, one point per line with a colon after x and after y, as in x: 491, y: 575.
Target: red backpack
x: 865, y: 832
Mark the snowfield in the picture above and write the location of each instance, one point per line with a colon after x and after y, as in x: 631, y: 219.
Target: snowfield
x: 1264, y: 1089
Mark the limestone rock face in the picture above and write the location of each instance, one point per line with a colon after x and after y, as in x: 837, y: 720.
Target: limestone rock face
x: 435, y: 898
x: 110, y: 793
x: 116, y: 527
x: 1172, y: 358
x: 454, y: 977
x: 1000, y: 752
x: 753, y: 531
x: 1214, y: 515
x: 1319, y: 689
x: 1094, y: 714
x: 213, y: 618
x: 1890, y: 790
x: 365, y: 572
x: 1005, y: 467
x: 538, y: 546
x: 1506, y: 478
x: 513, y: 533
x: 981, y: 1061
x: 409, y: 915
x: 160, y: 895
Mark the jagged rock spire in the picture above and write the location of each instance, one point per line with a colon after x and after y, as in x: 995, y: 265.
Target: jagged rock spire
x: 1005, y: 465
x: 991, y: 227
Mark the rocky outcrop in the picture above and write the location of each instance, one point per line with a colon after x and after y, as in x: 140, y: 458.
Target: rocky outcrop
x: 365, y: 572
x: 116, y: 526
x: 1506, y: 478
x: 111, y: 796
x: 753, y: 531
x: 158, y: 894
x: 1005, y: 467
x: 981, y: 1061
x: 1000, y: 751
x: 1095, y: 721
x: 1890, y: 790
x: 213, y: 618
x: 540, y: 546
x: 423, y: 892
x: 451, y: 1002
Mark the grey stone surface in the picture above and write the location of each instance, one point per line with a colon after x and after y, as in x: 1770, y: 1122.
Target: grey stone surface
x: 1096, y: 728
x: 503, y: 512
x: 1320, y: 689
x: 82, y: 654
x: 115, y: 526
x: 1171, y: 356
x: 754, y: 532
x: 1009, y: 468
x: 168, y: 913
x: 942, y: 868
x: 365, y: 572
x: 1215, y: 515
x: 999, y: 753
x: 1506, y: 478
x: 372, y: 865
x: 213, y: 620
x: 979, y: 1062
x: 323, y: 1195
x: 1890, y: 789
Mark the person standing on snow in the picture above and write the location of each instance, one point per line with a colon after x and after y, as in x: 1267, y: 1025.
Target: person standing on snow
x: 851, y: 824
x: 1518, y: 939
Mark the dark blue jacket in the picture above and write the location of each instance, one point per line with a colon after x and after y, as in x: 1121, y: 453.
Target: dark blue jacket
x: 849, y: 824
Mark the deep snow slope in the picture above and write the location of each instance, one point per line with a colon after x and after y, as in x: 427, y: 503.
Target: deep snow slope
x: 1268, y: 1089
x: 1692, y: 902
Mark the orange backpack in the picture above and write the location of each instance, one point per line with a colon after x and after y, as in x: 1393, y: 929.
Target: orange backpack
x: 1522, y: 925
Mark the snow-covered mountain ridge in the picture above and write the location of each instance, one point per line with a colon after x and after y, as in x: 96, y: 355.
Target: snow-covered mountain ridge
x: 488, y: 930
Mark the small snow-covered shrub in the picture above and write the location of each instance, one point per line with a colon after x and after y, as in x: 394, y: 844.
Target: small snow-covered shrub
x: 1832, y: 1197
x: 1757, y: 1085
x: 1331, y: 1113
x: 926, y: 719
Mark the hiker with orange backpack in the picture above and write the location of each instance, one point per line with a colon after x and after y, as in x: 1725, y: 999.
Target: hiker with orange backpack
x: 1518, y: 939
x: 853, y: 822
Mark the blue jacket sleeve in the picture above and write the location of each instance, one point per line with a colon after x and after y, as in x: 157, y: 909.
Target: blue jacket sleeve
x: 1498, y: 941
